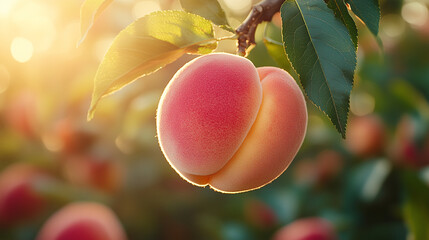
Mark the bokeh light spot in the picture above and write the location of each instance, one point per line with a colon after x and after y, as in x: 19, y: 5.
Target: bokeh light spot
x: 21, y: 49
x: 415, y: 13
x: 361, y: 103
x: 392, y: 25
x: 123, y: 145
x: 6, y: 7
x: 238, y: 7
x: 51, y: 142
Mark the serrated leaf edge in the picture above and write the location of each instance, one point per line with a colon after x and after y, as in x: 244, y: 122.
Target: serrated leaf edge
x: 342, y: 131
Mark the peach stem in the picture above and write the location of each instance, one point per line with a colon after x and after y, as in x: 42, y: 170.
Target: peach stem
x: 263, y: 11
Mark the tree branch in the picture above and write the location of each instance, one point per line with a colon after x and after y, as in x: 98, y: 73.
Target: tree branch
x: 262, y: 11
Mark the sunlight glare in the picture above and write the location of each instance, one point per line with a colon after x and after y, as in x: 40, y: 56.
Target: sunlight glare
x: 24, y: 16
x: 145, y: 7
x: 6, y: 6
x: 46, y: 35
x: 4, y: 78
x: 66, y: 41
x: 36, y: 22
x: 102, y: 46
x: 21, y: 49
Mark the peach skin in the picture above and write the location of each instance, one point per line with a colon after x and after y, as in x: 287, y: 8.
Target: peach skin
x: 83, y: 221
x: 222, y: 122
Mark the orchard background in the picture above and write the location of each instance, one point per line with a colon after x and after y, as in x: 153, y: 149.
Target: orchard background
x: 372, y: 185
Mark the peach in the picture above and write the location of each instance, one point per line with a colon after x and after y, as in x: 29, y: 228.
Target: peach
x: 366, y: 136
x: 222, y: 122
x: 84, y: 221
x: 19, y: 201
x: 307, y: 229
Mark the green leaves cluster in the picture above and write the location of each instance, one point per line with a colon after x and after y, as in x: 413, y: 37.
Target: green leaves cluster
x: 319, y: 43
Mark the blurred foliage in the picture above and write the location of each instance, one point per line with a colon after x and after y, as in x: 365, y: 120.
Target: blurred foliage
x: 45, y: 91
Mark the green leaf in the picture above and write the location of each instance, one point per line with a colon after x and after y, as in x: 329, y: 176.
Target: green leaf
x: 89, y: 11
x: 416, y: 208
x: 322, y: 53
x: 209, y: 9
x: 149, y: 44
x: 368, y: 11
x: 341, y: 12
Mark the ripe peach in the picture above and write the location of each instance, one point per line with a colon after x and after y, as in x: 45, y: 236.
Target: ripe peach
x: 84, y: 221
x: 222, y: 122
x: 18, y: 199
x: 365, y: 136
x: 307, y: 229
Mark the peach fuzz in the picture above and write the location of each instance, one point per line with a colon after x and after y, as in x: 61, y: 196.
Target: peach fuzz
x: 222, y: 122
x: 83, y: 221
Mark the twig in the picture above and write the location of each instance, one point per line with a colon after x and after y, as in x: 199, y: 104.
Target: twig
x: 262, y: 11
